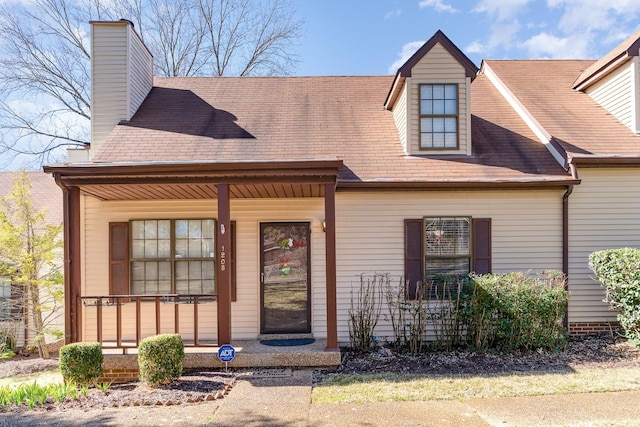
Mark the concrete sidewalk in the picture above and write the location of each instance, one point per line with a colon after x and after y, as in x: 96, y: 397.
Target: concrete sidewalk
x: 286, y: 401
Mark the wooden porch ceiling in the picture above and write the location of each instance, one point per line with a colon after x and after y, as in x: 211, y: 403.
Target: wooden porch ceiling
x: 201, y: 191
x: 277, y: 179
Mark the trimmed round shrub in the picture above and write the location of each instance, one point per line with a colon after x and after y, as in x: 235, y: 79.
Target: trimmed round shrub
x: 81, y: 362
x: 160, y: 359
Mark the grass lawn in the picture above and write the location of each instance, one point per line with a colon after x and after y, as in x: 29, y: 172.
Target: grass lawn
x: 395, y: 387
x: 42, y: 378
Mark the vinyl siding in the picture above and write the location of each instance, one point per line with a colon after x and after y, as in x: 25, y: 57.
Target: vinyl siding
x: 604, y: 213
x: 140, y: 72
x: 526, y: 233
x: 438, y: 66
x: 615, y: 94
x: 400, y: 117
x: 109, y: 102
x: 248, y: 214
x: 121, y: 75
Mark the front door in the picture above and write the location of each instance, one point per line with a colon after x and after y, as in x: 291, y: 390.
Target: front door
x: 285, y: 280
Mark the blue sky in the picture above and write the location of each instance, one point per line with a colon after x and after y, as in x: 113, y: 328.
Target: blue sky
x: 359, y: 37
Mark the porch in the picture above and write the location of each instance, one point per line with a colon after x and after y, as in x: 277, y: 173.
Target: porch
x: 119, y: 367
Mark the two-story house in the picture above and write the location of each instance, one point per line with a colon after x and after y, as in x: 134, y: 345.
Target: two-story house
x: 237, y: 208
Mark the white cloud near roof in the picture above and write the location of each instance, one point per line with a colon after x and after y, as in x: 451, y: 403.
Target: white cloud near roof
x: 407, y: 50
x: 546, y: 45
x: 393, y: 13
x: 438, y: 5
x: 501, y: 9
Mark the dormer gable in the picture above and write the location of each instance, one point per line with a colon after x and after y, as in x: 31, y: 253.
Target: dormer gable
x: 430, y: 99
x: 613, y: 81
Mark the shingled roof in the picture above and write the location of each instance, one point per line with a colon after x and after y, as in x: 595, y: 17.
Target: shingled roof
x: 582, y: 127
x: 304, y: 118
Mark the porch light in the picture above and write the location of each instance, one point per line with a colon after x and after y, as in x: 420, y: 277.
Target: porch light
x: 324, y: 225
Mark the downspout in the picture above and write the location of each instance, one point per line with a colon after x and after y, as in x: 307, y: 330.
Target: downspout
x: 68, y: 305
x: 565, y: 240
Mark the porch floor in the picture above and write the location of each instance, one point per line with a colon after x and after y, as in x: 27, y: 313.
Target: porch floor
x: 249, y: 354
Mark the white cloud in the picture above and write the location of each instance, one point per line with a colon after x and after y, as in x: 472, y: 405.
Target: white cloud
x: 501, y: 9
x: 545, y: 45
x: 438, y: 5
x: 581, y: 15
x: 392, y: 14
x: 475, y: 47
x: 407, y: 50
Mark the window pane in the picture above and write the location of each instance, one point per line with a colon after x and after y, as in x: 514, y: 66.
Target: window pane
x: 195, y: 248
x: 208, y: 270
x: 207, y: 228
x: 447, y: 236
x: 195, y: 229
x: 426, y: 107
x: 426, y: 91
x: 137, y: 230
x: 164, y: 248
x: 164, y: 229
x: 137, y: 271
x: 438, y: 91
x: 426, y: 125
x: 450, y: 124
x: 208, y: 249
x: 150, y: 249
x: 438, y: 140
x: 438, y: 107
x: 164, y: 271
x: 450, y: 92
x: 450, y: 140
x: 436, y: 266
x: 137, y: 287
x: 451, y: 107
x: 438, y: 124
x: 426, y: 140
x: 182, y: 271
x: 181, y: 248
x: 151, y: 271
x: 164, y: 287
x: 138, y: 248
x: 208, y: 287
x: 182, y: 229
x: 195, y: 270
x: 150, y: 229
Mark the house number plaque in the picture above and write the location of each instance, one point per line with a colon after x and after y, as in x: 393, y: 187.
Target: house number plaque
x: 223, y: 258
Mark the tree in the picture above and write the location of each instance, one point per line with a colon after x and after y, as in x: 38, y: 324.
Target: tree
x: 45, y: 57
x: 28, y: 250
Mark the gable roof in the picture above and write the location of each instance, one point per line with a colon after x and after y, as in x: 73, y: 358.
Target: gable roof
x: 583, y: 128
x: 227, y: 119
x: 405, y: 70
x: 611, y: 60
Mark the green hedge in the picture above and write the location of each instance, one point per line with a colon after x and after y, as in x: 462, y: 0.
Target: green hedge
x: 619, y: 272
x: 81, y: 363
x: 513, y: 311
x: 160, y: 359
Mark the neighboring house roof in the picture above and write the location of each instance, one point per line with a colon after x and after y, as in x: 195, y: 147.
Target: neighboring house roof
x: 44, y: 193
x: 582, y: 128
x: 297, y: 118
x: 628, y: 48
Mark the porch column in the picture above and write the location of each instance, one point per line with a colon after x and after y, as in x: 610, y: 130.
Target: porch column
x: 223, y: 253
x: 330, y: 251
x: 72, y: 283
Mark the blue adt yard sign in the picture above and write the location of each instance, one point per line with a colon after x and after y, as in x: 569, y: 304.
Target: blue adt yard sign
x: 226, y: 353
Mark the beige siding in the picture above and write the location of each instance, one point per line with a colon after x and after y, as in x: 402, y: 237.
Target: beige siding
x: 438, y: 66
x: 109, y: 80
x: 615, y: 94
x: 121, y: 76
x: 604, y: 213
x: 140, y: 72
x: 400, y: 117
x: 248, y: 214
x: 526, y: 233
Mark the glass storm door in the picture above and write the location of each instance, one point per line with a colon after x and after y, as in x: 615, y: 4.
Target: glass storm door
x: 284, y: 276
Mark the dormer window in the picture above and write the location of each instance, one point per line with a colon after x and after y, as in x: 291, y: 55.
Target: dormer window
x: 438, y: 116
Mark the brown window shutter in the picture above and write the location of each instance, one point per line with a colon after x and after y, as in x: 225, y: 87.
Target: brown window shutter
x: 118, y: 258
x: 481, y: 245
x: 232, y: 261
x: 413, y: 254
